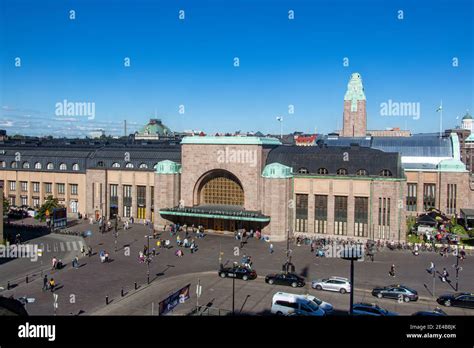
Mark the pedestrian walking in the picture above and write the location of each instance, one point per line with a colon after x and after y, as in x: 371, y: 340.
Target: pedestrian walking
x: 89, y: 251
x: 52, y: 284
x: 431, y: 268
x: 444, y: 276
x: 271, y: 248
x: 45, y: 282
x: 392, y: 271
x: 83, y: 250
x: 54, y: 262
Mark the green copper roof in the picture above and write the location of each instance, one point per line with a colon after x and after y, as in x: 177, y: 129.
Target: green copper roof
x: 467, y: 116
x: 168, y: 167
x: 230, y: 140
x: 451, y: 165
x: 277, y: 171
x: 355, y: 91
x: 154, y: 127
x: 470, y: 137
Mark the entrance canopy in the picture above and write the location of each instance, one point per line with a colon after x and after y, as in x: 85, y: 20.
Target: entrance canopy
x: 226, y: 212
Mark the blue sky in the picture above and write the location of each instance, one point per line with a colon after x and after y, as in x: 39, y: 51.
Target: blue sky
x: 190, y: 62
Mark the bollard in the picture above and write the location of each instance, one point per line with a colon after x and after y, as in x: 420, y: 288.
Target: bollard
x: 26, y: 279
x: 8, y: 286
x: 106, y: 300
x: 122, y: 292
x: 136, y: 287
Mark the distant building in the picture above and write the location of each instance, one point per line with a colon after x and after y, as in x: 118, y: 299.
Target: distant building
x: 153, y: 130
x: 96, y: 134
x: 305, y: 140
x: 392, y: 132
x: 467, y: 122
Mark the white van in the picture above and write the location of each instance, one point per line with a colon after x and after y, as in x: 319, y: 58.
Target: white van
x: 292, y: 304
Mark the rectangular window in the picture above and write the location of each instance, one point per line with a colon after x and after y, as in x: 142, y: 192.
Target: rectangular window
x: 113, y: 195
x: 24, y: 200
x: 141, y: 202
x: 384, y: 218
x: 429, y: 196
x: 24, y: 186
x: 48, y: 187
x: 36, y: 187
x: 340, y: 215
x: 361, y: 216
x: 12, y: 200
x: 411, y: 196
x: 12, y: 185
x: 301, y: 213
x: 127, y: 200
x: 73, y: 189
x: 61, y: 188
x: 74, y: 206
x: 36, y: 202
x: 452, y: 195
x: 320, y: 213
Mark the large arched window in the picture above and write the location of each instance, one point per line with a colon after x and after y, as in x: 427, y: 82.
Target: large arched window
x: 362, y: 172
x: 385, y: 172
x: 100, y: 164
x: 129, y: 165
x: 14, y: 164
x: 3, y: 164
x: 303, y: 171
x: 26, y: 165
x: 75, y: 167
x: 50, y: 166
x: 63, y: 166
x: 322, y: 171
x: 115, y: 165
x: 143, y: 166
x: 221, y: 188
x: 38, y: 165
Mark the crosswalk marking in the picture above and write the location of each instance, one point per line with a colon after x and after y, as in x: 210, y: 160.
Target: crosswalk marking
x: 74, y: 246
x: 61, y: 245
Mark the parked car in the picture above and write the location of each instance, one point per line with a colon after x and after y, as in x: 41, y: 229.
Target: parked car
x: 371, y: 309
x: 437, y: 312
x: 238, y: 272
x: 396, y: 292
x: 292, y: 304
x: 459, y: 299
x: 338, y: 284
x: 325, y: 306
x: 289, y: 279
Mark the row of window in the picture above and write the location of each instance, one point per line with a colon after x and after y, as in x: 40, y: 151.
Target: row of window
x: 75, y: 166
x: 343, y: 171
x: 127, y: 165
x: 361, y: 214
x: 38, y: 165
x: 36, y: 202
x: 48, y: 187
x: 429, y: 197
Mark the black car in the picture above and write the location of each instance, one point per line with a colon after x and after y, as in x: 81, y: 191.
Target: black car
x: 371, y: 310
x: 238, y: 272
x: 289, y: 279
x: 459, y: 299
x: 396, y: 292
x: 438, y: 312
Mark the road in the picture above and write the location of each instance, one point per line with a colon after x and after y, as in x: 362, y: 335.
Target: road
x: 83, y: 290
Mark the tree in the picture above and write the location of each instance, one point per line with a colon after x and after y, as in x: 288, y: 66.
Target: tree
x: 48, y: 205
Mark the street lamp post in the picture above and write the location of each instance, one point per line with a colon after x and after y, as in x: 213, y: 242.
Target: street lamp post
x: 148, y: 259
x: 116, y: 232
x: 457, y: 272
x: 352, y: 253
x: 233, y: 295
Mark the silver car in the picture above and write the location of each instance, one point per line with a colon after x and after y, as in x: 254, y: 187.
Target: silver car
x: 338, y: 284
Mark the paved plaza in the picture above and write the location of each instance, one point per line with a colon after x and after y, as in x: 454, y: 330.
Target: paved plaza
x: 84, y: 290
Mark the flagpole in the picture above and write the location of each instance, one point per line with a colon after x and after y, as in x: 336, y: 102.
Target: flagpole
x: 441, y: 118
